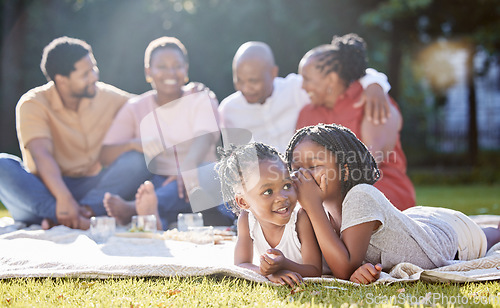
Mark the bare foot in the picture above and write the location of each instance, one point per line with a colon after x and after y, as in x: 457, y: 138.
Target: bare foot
x: 118, y: 208
x: 146, y: 202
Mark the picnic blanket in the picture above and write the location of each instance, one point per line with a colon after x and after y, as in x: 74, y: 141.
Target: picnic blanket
x: 64, y: 252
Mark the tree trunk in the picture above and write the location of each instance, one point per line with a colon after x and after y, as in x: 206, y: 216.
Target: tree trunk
x: 395, y: 59
x: 11, y: 68
x: 472, y: 123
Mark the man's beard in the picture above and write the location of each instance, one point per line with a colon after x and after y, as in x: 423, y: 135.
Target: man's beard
x: 86, y: 93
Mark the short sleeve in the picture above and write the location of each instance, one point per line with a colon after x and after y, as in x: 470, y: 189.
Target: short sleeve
x: 123, y: 127
x: 372, y: 76
x: 362, y: 204
x: 32, y: 121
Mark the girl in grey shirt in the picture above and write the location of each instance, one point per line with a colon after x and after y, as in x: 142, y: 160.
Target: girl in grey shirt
x: 355, y: 223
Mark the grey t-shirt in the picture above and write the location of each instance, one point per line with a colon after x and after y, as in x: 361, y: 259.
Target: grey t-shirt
x: 414, y: 235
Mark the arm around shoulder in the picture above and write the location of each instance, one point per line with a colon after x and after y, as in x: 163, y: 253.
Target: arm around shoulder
x: 374, y: 98
x: 382, y: 138
x: 372, y: 76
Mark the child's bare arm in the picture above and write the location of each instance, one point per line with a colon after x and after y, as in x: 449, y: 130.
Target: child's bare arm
x: 243, y: 250
x: 366, y: 273
x: 343, y: 255
x: 311, y: 254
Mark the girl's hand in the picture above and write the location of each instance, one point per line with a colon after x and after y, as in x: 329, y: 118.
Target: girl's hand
x: 272, y: 262
x: 286, y: 277
x: 366, y: 273
x: 309, y: 192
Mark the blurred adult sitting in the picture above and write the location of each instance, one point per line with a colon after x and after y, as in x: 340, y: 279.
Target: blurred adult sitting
x: 60, y: 127
x: 330, y: 77
x: 184, y: 118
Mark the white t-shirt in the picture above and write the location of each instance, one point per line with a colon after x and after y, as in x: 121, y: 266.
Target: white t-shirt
x: 274, y: 121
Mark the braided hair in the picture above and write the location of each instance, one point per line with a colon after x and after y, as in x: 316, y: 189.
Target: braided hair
x: 236, y: 163
x: 356, y: 164
x: 346, y: 56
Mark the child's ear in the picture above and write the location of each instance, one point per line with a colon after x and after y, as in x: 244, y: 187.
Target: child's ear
x: 241, y: 202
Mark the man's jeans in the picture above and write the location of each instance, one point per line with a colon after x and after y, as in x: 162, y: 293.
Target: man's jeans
x: 29, y: 201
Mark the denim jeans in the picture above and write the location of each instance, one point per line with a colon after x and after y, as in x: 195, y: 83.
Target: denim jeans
x: 169, y: 203
x: 28, y: 199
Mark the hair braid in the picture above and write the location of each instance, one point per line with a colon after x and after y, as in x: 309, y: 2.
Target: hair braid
x: 235, y: 162
x: 346, y: 56
x: 351, y: 155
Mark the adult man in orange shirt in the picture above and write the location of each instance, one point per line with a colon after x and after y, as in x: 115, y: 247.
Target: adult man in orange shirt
x: 60, y: 128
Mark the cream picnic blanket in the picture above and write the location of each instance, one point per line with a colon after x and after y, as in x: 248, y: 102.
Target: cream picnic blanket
x: 64, y: 252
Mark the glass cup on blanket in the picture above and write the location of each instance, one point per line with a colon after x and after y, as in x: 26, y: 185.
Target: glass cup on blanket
x: 143, y: 223
x: 102, y: 228
x: 203, y: 235
x: 187, y: 220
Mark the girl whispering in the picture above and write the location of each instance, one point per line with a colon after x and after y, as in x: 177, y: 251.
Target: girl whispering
x: 257, y: 185
x: 355, y: 223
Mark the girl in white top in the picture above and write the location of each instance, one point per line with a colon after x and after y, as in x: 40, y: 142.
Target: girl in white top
x: 355, y: 223
x: 256, y: 184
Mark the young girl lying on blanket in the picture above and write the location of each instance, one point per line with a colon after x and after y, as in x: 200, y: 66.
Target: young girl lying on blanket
x: 355, y: 223
x: 256, y: 184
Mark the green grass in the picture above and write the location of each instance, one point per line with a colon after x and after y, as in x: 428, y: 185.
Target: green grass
x: 469, y: 199
x: 3, y: 211
x: 229, y: 292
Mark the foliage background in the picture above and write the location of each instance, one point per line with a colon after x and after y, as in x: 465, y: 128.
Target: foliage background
x: 212, y: 30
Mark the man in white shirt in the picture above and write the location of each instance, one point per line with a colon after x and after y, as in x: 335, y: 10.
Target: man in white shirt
x: 268, y: 106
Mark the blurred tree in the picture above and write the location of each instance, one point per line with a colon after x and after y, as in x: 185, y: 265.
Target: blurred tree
x: 13, y: 30
x: 212, y: 30
x: 412, y: 22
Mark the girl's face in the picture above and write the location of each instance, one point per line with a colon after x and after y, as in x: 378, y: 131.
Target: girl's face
x: 319, y: 161
x: 168, y: 70
x: 273, y: 197
x: 315, y: 83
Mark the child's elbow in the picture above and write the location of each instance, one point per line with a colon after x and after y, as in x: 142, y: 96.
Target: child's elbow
x: 344, y: 274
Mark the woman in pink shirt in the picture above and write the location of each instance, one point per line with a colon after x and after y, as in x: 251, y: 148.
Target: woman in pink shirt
x: 330, y: 77
x: 172, y: 114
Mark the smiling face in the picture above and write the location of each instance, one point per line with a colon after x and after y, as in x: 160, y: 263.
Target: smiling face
x: 168, y: 71
x: 82, y: 81
x: 315, y: 82
x: 273, y: 197
x: 319, y: 161
x: 254, y: 78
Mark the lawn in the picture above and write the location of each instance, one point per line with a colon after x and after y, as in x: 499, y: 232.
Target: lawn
x: 230, y: 292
